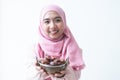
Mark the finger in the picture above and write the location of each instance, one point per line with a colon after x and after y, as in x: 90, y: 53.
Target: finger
x: 41, y: 70
x: 57, y: 74
x: 51, y: 75
x: 38, y: 68
x: 63, y: 72
x: 44, y: 74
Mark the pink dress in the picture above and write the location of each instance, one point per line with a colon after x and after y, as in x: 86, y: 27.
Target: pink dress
x: 64, y: 47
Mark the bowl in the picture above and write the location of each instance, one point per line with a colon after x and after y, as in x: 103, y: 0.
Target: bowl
x: 51, y: 69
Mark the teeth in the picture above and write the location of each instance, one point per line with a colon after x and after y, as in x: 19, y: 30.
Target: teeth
x: 53, y: 32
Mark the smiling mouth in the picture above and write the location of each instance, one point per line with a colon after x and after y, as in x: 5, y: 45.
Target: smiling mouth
x: 53, y: 32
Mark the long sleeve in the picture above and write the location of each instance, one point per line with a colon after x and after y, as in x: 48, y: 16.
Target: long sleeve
x: 31, y: 72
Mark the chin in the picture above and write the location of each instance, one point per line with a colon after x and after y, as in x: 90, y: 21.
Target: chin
x: 54, y: 38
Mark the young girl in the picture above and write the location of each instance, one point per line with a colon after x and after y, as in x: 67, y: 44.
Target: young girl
x: 57, y: 41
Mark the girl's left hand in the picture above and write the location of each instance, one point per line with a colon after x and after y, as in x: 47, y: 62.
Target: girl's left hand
x: 60, y: 74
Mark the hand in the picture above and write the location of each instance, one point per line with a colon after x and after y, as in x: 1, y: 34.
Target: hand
x: 42, y: 72
x: 60, y: 74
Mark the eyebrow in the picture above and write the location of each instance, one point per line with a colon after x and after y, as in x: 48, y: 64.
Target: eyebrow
x: 49, y: 18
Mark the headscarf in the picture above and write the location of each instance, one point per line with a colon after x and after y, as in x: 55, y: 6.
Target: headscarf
x: 65, y: 47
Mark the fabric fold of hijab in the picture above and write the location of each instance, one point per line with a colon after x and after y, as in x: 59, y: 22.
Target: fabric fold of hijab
x: 64, y: 47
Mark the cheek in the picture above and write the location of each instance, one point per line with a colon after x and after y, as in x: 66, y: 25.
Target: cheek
x: 61, y: 27
x: 62, y: 30
x: 45, y: 29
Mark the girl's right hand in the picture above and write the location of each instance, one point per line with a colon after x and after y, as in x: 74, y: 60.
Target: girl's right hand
x: 42, y: 72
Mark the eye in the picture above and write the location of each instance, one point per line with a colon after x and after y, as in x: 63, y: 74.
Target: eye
x: 47, y: 22
x: 58, y: 20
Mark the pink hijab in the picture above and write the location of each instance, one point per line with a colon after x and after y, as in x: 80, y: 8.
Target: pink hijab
x: 64, y: 47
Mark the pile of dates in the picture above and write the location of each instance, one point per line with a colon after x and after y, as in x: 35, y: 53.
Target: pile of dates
x: 52, y: 61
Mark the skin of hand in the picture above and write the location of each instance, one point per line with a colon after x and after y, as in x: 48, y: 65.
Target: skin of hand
x: 59, y: 74
x: 43, y: 73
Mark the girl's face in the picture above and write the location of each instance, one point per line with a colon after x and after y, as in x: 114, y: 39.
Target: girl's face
x: 53, y: 25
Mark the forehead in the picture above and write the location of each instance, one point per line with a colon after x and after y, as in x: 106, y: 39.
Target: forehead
x: 51, y: 14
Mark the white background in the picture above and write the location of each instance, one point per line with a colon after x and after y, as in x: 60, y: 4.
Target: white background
x: 95, y: 25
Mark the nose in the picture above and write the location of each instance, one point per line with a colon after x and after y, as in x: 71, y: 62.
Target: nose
x: 52, y: 25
